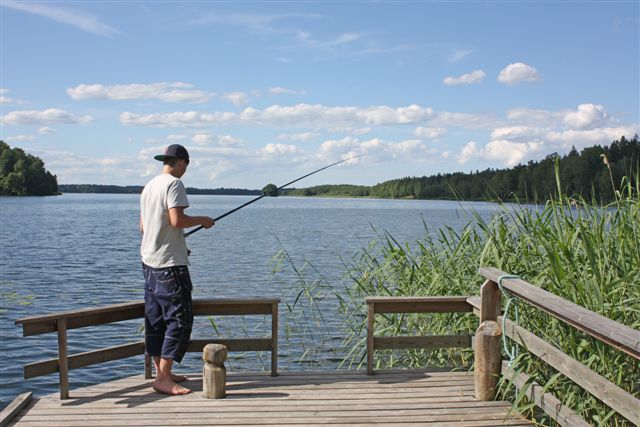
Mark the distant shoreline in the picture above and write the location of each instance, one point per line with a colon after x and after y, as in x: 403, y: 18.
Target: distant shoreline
x: 137, y: 189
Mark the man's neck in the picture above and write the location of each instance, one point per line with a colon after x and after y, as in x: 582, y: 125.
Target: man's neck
x: 171, y: 171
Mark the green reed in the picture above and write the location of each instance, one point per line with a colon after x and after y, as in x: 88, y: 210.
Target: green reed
x: 577, y: 249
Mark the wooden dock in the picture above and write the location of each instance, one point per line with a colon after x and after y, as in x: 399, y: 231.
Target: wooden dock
x: 379, y: 397
x: 317, y: 398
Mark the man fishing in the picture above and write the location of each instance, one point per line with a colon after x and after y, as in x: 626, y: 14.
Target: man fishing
x: 167, y: 295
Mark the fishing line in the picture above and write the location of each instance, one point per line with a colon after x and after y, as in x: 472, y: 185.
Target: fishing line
x: 264, y: 194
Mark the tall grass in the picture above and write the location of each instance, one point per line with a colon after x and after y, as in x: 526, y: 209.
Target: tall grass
x: 577, y: 249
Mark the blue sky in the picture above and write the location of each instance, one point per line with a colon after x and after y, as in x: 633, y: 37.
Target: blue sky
x: 263, y: 92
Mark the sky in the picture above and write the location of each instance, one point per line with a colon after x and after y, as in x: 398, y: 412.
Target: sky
x: 264, y: 92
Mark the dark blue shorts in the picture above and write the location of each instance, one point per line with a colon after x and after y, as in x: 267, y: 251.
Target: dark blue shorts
x: 168, y: 311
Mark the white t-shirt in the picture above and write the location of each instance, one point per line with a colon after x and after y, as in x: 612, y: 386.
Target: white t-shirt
x: 163, y: 245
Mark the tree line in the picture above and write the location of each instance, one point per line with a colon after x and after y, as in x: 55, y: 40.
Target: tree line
x: 137, y: 189
x: 23, y: 174
x: 594, y: 172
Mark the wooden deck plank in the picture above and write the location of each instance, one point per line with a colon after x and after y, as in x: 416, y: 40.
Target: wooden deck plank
x: 320, y: 398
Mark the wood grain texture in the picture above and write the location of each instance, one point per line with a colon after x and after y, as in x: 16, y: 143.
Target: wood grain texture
x: 290, y: 399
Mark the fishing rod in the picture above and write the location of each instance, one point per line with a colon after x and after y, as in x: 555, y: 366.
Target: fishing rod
x: 265, y: 194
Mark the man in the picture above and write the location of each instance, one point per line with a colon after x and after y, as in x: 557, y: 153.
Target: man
x: 167, y: 295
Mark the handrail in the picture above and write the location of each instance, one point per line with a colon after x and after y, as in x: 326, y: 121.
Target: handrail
x: 60, y: 322
x: 604, y: 329
x: 609, y: 331
x: 437, y: 304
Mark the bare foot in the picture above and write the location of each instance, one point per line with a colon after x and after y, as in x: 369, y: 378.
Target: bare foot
x: 178, y: 378
x: 169, y: 387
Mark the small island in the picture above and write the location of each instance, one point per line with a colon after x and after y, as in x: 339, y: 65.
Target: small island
x: 23, y: 174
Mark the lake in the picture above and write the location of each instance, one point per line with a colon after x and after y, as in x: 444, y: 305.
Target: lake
x: 82, y: 250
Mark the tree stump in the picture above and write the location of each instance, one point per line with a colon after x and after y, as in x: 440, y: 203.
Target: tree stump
x: 214, y: 374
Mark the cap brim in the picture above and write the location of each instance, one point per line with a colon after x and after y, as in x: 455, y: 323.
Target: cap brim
x: 160, y: 157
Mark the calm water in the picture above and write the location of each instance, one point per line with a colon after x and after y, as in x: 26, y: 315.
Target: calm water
x: 81, y: 250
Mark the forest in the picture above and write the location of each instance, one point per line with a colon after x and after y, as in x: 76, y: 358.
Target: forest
x: 22, y: 174
x: 592, y: 173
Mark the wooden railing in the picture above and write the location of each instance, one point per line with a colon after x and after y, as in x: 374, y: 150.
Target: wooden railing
x: 619, y: 336
x: 63, y: 321
x: 488, y: 363
x: 379, y: 305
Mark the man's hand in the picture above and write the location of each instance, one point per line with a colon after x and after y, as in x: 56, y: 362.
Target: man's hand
x: 207, y: 222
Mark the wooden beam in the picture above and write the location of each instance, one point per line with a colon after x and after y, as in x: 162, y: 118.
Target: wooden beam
x: 424, y: 342
x: 604, y: 390
x: 14, y: 408
x: 85, y: 359
x: 63, y: 362
x: 489, y: 301
x: 444, y: 304
x: 617, y: 335
x: 370, y: 327
x: 487, y: 361
x: 550, y: 404
x: 35, y: 325
x: 274, y: 339
x: 234, y: 306
x: 235, y: 344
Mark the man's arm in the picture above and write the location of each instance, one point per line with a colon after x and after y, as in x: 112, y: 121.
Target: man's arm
x: 179, y: 219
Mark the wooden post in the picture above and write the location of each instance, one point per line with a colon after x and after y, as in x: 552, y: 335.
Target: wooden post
x: 487, y: 358
x: 489, y: 301
x: 63, y: 362
x: 214, y: 374
x: 274, y: 340
x: 488, y: 361
x: 370, y: 326
x: 148, y: 372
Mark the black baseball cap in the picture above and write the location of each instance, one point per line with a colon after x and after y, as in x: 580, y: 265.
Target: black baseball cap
x: 174, y: 150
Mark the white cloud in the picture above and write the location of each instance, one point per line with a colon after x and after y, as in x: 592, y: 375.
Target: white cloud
x: 229, y: 140
x: 476, y: 76
x: 588, y: 116
x: 7, y: 100
x: 518, y: 132
x: 281, y: 150
x: 511, y: 153
x: 446, y: 119
x: 377, y: 150
x: 236, y: 98
x: 469, y: 151
x: 277, y: 90
x: 506, y: 153
x: 163, y: 91
x: 535, y: 117
x: 289, y: 116
x: 45, y: 130
x: 202, y: 138
x: 347, y: 38
x: 19, y: 138
x: 45, y: 117
x: 221, y: 140
x: 518, y: 72
x: 460, y: 54
x: 349, y: 130
x: 302, y: 137
x: 429, y: 133
x: 175, y: 137
x: 583, y: 138
x: 74, y: 18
